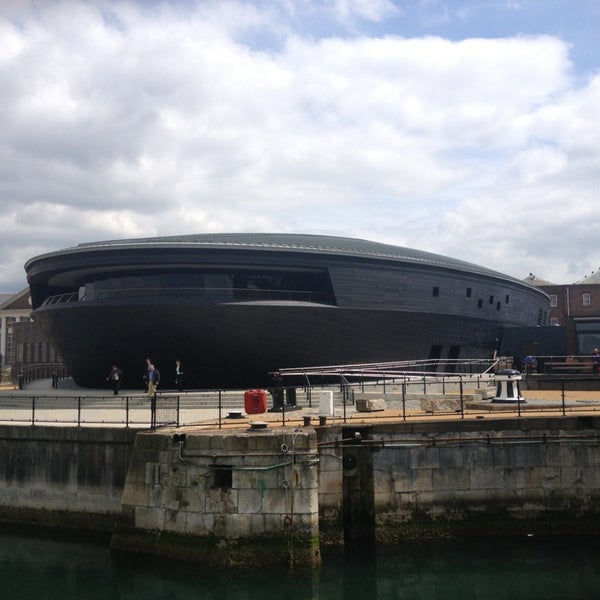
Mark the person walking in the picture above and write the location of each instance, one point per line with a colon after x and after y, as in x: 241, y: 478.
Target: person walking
x: 596, y: 361
x: 153, y: 379
x: 116, y: 378
x: 145, y: 376
x: 179, y: 375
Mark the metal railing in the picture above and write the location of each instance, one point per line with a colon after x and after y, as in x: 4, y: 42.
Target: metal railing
x: 201, y: 295
x: 56, y: 372
x: 411, y: 397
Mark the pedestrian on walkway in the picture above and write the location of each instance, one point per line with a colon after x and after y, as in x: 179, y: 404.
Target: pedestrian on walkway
x: 179, y: 375
x: 116, y: 378
x: 153, y: 379
x: 145, y: 376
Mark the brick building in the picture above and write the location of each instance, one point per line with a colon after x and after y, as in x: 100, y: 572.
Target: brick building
x: 576, y: 307
x: 21, y: 341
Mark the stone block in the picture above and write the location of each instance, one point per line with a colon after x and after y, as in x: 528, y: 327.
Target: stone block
x: 277, y: 501
x: 199, y: 523
x: 238, y: 525
x: 221, y: 501
x: 149, y: 518
x: 196, y: 442
x: 175, y: 521
x: 439, y: 404
x: 249, y: 501
x: 370, y: 404
x: 451, y: 479
x: 487, y: 479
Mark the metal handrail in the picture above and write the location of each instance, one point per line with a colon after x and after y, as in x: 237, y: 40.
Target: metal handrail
x: 208, y: 294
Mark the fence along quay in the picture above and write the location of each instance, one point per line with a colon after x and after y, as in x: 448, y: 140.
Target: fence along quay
x: 215, y: 489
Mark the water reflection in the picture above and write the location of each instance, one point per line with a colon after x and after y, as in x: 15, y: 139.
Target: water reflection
x: 34, y: 567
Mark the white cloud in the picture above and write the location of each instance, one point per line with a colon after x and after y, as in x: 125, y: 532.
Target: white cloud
x: 123, y: 120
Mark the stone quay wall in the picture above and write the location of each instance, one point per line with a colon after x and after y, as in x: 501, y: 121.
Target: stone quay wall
x: 246, y: 496
x: 392, y: 482
x: 242, y: 497
x: 63, y: 476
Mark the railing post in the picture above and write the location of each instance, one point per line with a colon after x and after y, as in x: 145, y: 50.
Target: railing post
x: 153, y: 411
x: 33, y: 410
x: 78, y: 411
x: 404, y: 399
x: 562, y: 393
x: 462, y: 403
x: 178, y: 408
x: 126, y: 411
x: 220, y: 408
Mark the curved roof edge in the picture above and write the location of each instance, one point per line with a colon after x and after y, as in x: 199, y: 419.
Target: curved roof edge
x: 310, y: 243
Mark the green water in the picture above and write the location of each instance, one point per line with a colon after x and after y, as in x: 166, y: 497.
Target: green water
x: 36, y: 567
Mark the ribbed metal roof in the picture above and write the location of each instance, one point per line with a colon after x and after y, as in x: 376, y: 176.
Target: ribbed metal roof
x: 309, y: 243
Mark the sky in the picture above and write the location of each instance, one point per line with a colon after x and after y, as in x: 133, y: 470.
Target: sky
x: 467, y: 128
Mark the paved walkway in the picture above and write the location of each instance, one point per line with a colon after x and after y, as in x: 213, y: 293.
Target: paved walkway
x: 70, y: 404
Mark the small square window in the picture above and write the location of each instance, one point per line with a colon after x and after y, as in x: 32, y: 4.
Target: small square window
x: 223, y: 476
x: 436, y: 291
x: 469, y: 291
x: 507, y: 299
x: 587, y: 299
x: 553, y: 320
x: 491, y: 299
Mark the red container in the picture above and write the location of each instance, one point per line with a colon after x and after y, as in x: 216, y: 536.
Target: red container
x: 255, y: 401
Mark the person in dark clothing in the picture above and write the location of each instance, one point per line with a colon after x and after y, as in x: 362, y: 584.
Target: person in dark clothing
x: 153, y: 379
x: 179, y: 375
x: 116, y: 378
x: 145, y: 377
x: 596, y: 361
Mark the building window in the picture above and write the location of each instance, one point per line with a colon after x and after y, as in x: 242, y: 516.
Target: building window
x: 436, y: 291
x: 553, y: 300
x: 498, y: 305
x: 553, y: 320
x: 587, y: 299
x: 507, y: 299
x: 479, y: 303
x: 468, y: 292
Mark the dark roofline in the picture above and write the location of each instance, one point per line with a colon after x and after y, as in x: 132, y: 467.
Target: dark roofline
x: 273, y: 242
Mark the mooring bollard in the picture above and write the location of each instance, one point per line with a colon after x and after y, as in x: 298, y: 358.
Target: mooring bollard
x: 306, y: 421
x: 507, y: 386
x: 322, y: 420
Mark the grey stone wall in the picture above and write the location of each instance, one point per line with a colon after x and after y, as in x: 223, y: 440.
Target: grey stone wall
x: 79, y: 471
x: 227, y: 490
x: 492, y: 476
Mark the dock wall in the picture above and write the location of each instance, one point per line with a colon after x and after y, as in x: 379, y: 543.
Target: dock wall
x: 392, y: 482
x: 64, y: 476
x: 277, y: 496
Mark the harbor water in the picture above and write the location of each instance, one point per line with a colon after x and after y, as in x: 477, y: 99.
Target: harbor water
x: 33, y: 566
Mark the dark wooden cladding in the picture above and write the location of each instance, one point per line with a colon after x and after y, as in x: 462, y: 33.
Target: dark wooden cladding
x: 234, y: 307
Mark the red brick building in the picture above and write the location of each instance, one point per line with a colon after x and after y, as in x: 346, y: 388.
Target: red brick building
x: 576, y: 307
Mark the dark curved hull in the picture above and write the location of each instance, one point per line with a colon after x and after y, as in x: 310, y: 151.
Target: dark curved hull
x: 237, y: 345
x: 234, y: 307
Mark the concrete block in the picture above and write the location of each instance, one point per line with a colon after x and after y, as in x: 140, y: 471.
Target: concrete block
x: 370, y: 404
